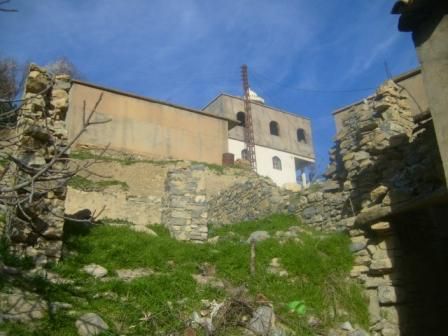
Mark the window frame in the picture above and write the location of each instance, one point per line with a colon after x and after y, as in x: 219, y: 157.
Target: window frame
x: 276, y: 163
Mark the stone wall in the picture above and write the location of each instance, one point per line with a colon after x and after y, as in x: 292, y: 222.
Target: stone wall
x: 384, y: 181
x: 327, y: 209
x: 35, y: 227
x: 185, y: 206
x: 382, y: 160
x: 139, y: 210
x: 255, y: 198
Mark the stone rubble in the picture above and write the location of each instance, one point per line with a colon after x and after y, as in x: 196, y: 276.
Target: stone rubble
x: 90, y: 324
x: 128, y: 275
x: 95, y: 270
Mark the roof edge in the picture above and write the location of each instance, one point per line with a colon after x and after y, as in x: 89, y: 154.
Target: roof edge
x: 256, y: 103
x: 151, y: 100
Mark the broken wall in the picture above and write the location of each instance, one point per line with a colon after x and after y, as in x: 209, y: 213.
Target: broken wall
x: 35, y: 217
x: 386, y: 188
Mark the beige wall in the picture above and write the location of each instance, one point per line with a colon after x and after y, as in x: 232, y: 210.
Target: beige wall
x: 262, y: 115
x: 145, y: 127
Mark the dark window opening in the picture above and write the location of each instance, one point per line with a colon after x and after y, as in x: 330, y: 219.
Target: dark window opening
x: 273, y: 128
x: 301, y: 135
x: 241, y: 117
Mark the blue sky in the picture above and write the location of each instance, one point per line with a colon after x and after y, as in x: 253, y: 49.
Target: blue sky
x: 188, y: 51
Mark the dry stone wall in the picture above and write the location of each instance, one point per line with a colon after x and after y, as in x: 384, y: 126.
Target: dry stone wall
x: 255, y: 198
x: 185, y: 207
x: 384, y: 164
x: 35, y: 227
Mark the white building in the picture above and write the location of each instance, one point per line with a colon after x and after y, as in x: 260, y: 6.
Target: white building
x: 283, y: 140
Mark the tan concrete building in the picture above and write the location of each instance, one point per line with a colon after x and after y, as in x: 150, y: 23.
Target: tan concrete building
x: 412, y: 84
x: 147, y: 126
x: 283, y: 140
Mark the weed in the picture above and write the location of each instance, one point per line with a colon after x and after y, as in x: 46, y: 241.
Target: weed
x: 84, y: 184
x: 3, y: 161
x: 83, y: 154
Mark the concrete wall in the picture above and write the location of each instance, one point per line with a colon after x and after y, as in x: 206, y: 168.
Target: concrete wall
x: 412, y: 87
x: 264, y: 162
x: 431, y: 39
x: 262, y: 115
x: 148, y: 127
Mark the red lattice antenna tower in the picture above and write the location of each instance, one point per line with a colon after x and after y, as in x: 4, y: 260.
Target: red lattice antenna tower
x: 249, y: 138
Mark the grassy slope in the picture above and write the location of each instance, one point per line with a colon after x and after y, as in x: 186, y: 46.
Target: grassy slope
x: 317, y: 269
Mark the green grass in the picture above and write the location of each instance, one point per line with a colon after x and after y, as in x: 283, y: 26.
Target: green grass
x: 318, y: 269
x: 84, y: 184
x: 83, y: 154
x: 3, y: 161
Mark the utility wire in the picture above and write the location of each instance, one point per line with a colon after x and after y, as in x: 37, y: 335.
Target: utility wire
x: 302, y: 89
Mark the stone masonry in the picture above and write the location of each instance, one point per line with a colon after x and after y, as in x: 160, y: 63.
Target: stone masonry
x: 384, y: 165
x: 35, y: 227
x: 255, y: 198
x: 184, y: 205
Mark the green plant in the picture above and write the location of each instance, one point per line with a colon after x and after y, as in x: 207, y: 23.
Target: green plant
x: 82, y: 154
x: 84, y: 184
x: 297, y: 307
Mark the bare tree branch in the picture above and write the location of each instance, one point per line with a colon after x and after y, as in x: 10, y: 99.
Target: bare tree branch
x: 5, y: 9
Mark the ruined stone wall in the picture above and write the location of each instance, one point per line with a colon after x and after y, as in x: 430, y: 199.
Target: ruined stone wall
x: 382, y: 159
x: 256, y: 198
x: 385, y: 174
x: 35, y: 227
x: 185, y: 206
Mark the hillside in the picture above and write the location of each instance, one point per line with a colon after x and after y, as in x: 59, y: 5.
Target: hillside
x: 156, y: 285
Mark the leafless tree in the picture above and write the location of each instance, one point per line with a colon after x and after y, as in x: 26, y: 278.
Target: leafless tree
x: 63, y: 66
x: 10, y: 78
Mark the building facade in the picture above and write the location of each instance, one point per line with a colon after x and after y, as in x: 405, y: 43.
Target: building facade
x: 146, y: 126
x: 283, y: 140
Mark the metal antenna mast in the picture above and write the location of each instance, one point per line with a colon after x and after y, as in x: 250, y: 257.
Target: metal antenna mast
x: 248, y: 128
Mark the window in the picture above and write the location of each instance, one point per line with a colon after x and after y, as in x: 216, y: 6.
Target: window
x: 276, y: 163
x: 273, y: 128
x: 301, y: 135
x: 241, y: 117
x: 244, y: 155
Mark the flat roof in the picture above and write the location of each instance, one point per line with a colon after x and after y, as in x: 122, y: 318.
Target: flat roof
x: 399, y: 78
x: 152, y: 100
x: 256, y: 103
